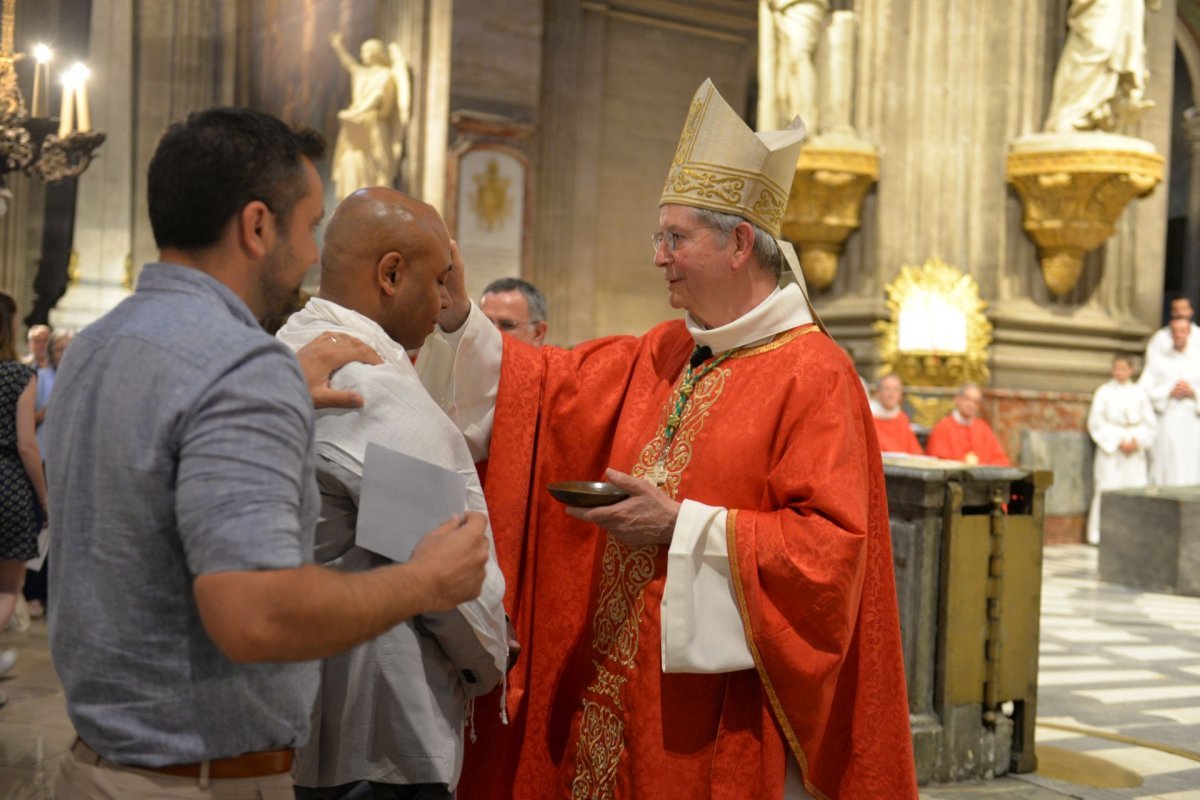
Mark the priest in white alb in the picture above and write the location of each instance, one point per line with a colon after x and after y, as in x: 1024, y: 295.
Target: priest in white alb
x: 1172, y: 381
x: 1122, y: 424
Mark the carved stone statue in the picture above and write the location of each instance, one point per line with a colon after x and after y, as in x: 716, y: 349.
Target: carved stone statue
x: 1100, y: 82
x: 790, y: 31
x: 370, y: 140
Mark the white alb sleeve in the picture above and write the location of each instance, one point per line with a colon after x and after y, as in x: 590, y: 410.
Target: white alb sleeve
x: 701, y: 623
x: 461, y: 371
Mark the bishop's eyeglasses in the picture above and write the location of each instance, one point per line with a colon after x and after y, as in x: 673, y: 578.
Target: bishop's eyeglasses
x: 673, y: 239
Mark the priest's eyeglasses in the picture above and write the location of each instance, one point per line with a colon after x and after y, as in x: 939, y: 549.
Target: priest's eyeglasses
x: 510, y: 325
x: 672, y: 239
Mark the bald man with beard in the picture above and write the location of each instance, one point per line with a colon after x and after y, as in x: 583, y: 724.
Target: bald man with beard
x: 388, y: 720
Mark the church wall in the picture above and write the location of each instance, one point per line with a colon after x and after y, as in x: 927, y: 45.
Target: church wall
x: 942, y: 86
x: 496, y: 55
x: 616, y: 87
x: 642, y: 121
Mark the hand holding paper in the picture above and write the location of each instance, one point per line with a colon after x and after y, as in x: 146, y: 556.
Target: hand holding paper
x: 455, y: 558
x: 404, y: 498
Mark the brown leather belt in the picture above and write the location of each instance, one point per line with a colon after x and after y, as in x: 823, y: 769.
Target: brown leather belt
x: 248, y: 765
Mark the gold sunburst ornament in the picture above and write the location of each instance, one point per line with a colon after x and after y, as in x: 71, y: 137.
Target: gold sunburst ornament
x: 937, y: 334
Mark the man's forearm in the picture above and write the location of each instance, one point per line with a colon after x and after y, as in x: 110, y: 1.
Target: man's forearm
x: 307, y: 612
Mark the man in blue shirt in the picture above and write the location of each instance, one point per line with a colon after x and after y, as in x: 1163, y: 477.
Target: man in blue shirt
x: 188, y: 611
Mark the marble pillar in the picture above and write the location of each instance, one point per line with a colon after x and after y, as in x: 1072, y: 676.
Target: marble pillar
x: 569, y: 127
x: 104, y: 202
x: 423, y: 29
x: 1191, y: 250
x: 21, y: 239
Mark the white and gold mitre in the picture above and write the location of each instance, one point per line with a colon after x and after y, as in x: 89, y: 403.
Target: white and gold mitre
x: 723, y: 165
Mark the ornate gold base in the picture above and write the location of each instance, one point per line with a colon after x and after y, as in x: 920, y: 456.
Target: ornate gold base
x: 825, y: 203
x: 1061, y: 269
x: 819, y: 262
x: 1073, y: 187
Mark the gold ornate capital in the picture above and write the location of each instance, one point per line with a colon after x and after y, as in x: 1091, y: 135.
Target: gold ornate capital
x: 825, y: 204
x: 1072, y: 197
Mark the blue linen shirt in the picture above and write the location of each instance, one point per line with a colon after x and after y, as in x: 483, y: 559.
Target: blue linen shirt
x: 183, y: 442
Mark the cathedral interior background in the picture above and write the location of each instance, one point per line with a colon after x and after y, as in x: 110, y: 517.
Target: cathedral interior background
x: 542, y: 132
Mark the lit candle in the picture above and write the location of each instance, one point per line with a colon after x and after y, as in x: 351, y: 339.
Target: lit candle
x: 66, y: 114
x: 81, y: 98
x: 42, y: 54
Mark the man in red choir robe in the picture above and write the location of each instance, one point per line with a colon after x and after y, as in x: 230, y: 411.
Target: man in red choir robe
x: 730, y: 630
x: 891, y: 423
x: 962, y: 436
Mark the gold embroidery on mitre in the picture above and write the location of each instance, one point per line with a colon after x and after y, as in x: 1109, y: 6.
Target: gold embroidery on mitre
x: 770, y: 206
x: 690, y: 127
x: 601, y: 742
x: 709, y: 186
x: 721, y: 164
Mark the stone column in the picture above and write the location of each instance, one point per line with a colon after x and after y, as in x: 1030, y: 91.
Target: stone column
x: 568, y: 185
x: 21, y: 238
x: 423, y: 28
x: 104, y: 202
x: 1191, y: 249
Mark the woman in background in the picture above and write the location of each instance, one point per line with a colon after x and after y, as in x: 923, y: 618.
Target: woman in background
x: 22, y: 483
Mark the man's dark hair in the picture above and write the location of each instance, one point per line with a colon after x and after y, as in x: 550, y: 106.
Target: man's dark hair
x: 534, y: 299
x: 1179, y: 298
x: 207, y: 167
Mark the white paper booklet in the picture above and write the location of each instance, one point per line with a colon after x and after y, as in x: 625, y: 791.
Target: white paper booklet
x: 403, y: 498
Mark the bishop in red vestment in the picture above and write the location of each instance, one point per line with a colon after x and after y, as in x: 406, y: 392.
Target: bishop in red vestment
x: 891, y: 423
x: 730, y: 630
x: 962, y: 436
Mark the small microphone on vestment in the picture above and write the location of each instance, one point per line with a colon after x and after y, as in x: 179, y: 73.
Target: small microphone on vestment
x: 700, y: 355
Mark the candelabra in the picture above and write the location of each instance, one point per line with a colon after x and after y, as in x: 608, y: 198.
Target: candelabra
x: 46, y: 147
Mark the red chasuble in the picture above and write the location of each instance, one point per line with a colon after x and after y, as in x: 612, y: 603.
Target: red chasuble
x: 767, y: 435
x: 896, y: 436
x: 951, y: 440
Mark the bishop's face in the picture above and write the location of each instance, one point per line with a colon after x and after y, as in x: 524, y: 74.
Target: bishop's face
x: 695, y: 260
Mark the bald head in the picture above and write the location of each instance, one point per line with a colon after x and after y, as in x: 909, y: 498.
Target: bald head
x: 386, y: 254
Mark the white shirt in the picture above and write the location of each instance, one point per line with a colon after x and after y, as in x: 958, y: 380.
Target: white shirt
x: 383, y: 713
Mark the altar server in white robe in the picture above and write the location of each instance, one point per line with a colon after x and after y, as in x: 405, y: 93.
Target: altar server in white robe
x: 1122, y: 423
x: 1161, y: 343
x: 1172, y: 381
